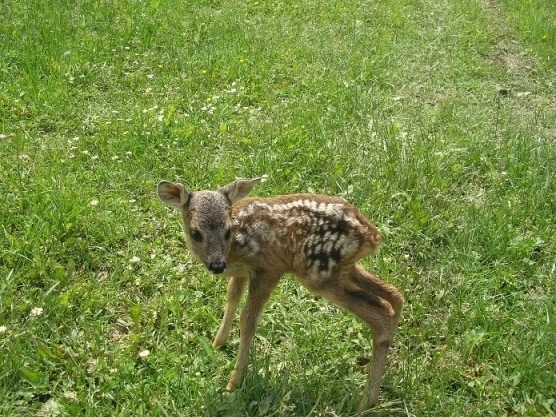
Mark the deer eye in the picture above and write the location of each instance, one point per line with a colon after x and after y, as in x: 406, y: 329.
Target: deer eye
x: 196, y: 235
x: 228, y: 234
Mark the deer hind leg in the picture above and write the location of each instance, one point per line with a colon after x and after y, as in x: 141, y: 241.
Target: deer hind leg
x: 379, y: 305
x: 260, y: 288
x: 236, y: 286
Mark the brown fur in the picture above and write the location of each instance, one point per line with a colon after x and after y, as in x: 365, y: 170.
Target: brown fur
x: 255, y: 241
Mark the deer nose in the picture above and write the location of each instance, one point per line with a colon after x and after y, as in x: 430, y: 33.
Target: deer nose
x: 217, y: 267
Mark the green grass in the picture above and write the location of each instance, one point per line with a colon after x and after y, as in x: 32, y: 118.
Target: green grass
x: 532, y: 19
x: 436, y: 118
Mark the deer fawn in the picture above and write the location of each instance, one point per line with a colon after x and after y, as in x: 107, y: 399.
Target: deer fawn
x: 317, y: 238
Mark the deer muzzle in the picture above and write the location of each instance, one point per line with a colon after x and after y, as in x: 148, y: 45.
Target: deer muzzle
x: 217, y: 267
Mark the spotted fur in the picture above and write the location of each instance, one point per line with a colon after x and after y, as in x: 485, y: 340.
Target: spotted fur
x: 315, y: 232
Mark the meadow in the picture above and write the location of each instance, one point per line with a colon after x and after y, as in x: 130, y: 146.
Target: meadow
x: 436, y: 118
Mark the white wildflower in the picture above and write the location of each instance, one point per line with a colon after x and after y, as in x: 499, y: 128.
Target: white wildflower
x: 70, y: 395
x: 93, y: 202
x: 144, y: 353
x: 3, y: 329
x: 36, y: 311
x: 135, y: 260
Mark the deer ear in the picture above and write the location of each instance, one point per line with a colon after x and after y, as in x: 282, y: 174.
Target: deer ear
x: 239, y: 189
x: 172, y: 193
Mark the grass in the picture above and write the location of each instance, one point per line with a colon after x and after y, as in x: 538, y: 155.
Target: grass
x: 435, y: 118
x: 539, y: 34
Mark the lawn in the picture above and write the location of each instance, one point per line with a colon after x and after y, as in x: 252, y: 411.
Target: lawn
x: 436, y: 118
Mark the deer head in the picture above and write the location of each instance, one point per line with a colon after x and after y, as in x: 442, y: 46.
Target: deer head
x: 206, y: 217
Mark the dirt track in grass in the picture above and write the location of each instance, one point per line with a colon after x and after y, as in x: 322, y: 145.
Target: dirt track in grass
x: 525, y: 86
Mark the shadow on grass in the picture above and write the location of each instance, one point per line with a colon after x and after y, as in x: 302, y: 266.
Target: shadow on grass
x: 298, y: 396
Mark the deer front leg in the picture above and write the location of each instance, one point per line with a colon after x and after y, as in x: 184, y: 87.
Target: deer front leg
x: 236, y: 286
x: 260, y: 288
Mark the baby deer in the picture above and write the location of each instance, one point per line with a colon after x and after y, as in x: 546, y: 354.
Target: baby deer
x: 256, y: 241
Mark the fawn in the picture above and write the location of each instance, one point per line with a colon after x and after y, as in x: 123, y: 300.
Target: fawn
x: 256, y: 241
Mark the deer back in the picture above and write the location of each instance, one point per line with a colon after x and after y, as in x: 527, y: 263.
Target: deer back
x: 300, y: 233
